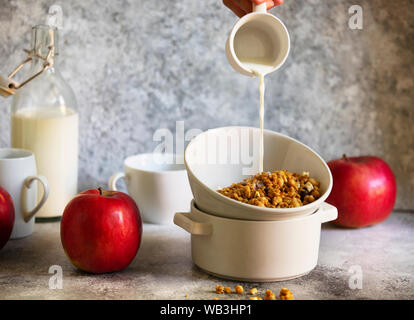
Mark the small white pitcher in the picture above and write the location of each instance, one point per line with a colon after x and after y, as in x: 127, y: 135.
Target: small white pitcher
x: 258, y: 37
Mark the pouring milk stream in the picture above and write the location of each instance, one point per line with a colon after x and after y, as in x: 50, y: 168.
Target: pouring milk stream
x: 257, y: 45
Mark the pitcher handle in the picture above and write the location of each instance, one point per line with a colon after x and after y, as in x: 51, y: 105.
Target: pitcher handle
x: 260, y: 7
x: 28, y: 214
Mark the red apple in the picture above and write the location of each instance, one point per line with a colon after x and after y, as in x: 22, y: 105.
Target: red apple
x: 101, y: 230
x: 6, y: 217
x: 364, y: 191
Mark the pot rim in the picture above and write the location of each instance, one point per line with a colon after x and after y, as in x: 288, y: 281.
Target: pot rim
x: 312, y: 215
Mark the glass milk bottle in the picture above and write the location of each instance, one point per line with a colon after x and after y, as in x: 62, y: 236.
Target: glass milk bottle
x: 44, y: 120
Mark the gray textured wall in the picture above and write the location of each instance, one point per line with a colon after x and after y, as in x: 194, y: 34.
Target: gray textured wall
x: 137, y: 66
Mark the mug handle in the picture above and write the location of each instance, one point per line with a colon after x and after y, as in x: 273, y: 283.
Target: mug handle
x: 112, y: 180
x: 27, y: 215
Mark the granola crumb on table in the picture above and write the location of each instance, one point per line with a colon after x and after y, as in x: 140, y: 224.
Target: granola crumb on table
x: 270, y: 295
x: 219, y: 289
x: 286, y: 294
x: 239, y: 289
x: 277, y: 189
x: 253, y: 291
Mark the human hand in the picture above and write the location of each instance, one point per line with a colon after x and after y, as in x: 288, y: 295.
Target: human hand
x: 242, y: 7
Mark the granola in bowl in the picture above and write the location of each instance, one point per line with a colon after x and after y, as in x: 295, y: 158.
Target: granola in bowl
x: 277, y: 189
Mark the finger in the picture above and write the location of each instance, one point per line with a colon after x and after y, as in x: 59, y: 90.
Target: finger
x: 246, y: 5
x: 234, y: 6
x: 242, y: 7
x: 269, y: 3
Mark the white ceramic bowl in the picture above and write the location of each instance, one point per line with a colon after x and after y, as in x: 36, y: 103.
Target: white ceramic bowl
x: 257, y: 251
x: 219, y: 157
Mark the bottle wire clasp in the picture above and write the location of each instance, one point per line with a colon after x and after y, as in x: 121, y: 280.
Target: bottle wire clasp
x: 8, y: 86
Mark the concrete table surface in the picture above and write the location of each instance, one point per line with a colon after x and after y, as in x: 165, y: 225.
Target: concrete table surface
x: 163, y: 268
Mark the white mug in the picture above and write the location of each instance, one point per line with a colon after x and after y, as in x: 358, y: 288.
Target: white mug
x: 18, y: 176
x: 258, y: 37
x: 158, y: 183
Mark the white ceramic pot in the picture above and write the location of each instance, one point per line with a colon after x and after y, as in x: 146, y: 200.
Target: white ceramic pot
x: 256, y: 251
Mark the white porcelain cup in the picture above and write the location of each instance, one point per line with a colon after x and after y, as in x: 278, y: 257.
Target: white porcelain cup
x: 258, y: 37
x: 158, y: 183
x: 18, y: 176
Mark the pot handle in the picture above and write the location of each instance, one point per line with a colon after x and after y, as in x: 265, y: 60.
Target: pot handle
x: 183, y: 220
x: 328, y: 212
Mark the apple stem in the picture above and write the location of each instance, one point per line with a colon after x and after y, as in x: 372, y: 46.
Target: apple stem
x: 345, y: 157
x: 100, y: 190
